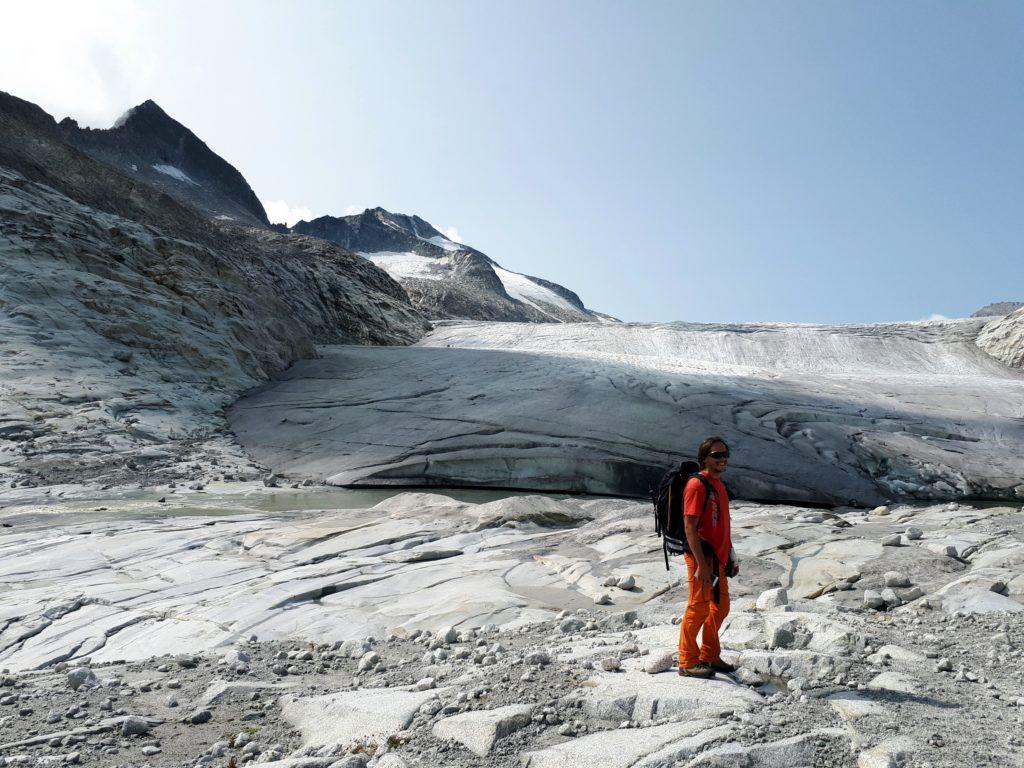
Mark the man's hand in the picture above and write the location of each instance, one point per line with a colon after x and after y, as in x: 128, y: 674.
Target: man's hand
x: 703, y: 574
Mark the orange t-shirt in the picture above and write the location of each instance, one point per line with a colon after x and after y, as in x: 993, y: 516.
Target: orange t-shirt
x: 714, y: 525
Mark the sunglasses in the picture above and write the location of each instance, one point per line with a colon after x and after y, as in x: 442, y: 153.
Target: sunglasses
x: 719, y: 454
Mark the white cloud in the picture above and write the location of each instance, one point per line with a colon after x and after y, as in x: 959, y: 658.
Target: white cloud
x: 279, y: 212
x: 88, y: 60
x: 934, y: 317
x: 453, y: 234
x: 354, y: 210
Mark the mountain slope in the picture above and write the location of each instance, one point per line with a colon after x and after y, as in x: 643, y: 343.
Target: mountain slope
x: 1003, y: 338
x: 999, y: 309
x: 446, y: 279
x: 128, y: 320
x: 147, y: 144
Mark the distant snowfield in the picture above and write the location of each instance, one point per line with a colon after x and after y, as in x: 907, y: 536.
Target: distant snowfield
x: 523, y: 289
x: 442, y: 242
x: 175, y: 173
x: 817, y: 413
x: 407, y: 264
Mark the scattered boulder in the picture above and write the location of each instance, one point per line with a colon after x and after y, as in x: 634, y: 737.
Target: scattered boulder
x: 134, y: 726
x: 896, y: 579
x: 873, y: 599
x: 538, y: 658
x: 659, y: 662
x: 82, y: 676
x: 890, y: 753
x: 772, y: 598
x: 198, y: 717
x: 479, y: 730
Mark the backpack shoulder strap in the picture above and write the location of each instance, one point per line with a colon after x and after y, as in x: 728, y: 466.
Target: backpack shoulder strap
x: 708, y: 490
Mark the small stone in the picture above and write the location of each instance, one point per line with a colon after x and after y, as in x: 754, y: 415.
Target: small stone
x: 603, y: 599
x: 626, y: 582
x: 150, y: 750
x: 82, y: 676
x: 368, y: 661
x: 772, y: 598
x: 610, y: 664
x: 134, y: 726
x: 895, y: 540
x: 431, y: 707
x: 883, y: 510
x: 449, y: 635
x: 944, y: 665
x: 891, y: 599
x: 896, y: 579
x: 873, y: 599
x: 425, y: 684
x: 356, y: 760
x: 659, y: 662
x: 538, y: 658
x: 198, y: 717
x: 570, y: 625
x: 913, y: 533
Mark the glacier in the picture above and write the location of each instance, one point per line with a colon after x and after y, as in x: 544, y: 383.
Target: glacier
x: 814, y: 413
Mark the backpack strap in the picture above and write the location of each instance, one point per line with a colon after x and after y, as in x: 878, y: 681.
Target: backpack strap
x: 708, y: 490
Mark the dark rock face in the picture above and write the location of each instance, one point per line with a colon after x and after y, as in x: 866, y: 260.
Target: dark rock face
x: 146, y: 143
x: 444, y: 279
x: 375, y: 230
x: 999, y: 309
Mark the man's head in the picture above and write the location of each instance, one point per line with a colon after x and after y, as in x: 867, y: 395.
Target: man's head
x: 713, y: 455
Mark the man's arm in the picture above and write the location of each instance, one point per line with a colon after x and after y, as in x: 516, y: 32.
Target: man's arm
x: 690, y: 523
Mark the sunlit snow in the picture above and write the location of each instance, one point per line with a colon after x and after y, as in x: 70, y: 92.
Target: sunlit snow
x: 442, y: 242
x: 523, y: 289
x: 175, y: 173
x: 406, y: 264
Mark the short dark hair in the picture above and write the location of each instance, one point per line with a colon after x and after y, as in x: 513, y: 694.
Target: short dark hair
x: 705, y: 449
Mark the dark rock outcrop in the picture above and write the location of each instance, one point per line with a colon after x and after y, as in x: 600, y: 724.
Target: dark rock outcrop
x: 999, y: 309
x: 148, y: 144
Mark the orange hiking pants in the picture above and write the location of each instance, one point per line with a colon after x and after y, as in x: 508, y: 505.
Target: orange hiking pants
x: 701, y: 611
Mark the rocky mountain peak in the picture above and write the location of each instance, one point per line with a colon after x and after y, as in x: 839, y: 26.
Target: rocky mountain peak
x: 147, y: 143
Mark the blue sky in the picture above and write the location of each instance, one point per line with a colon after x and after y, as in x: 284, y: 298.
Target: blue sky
x: 748, y: 161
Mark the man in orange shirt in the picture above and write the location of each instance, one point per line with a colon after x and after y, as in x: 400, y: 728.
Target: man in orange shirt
x: 708, y: 563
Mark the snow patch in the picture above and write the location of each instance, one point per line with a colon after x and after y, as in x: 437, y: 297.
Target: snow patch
x: 442, y: 242
x: 523, y: 289
x: 407, y: 264
x: 175, y: 173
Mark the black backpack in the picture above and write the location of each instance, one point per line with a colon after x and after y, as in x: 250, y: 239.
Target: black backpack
x: 668, y: 507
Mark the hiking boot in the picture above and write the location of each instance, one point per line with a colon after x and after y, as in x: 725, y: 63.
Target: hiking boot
x: 698, y: 670
x: 719, y: 666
